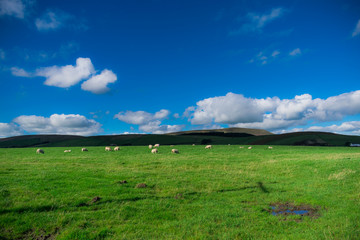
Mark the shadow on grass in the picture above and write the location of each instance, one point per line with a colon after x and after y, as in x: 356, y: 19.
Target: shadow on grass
x: 46, y: 208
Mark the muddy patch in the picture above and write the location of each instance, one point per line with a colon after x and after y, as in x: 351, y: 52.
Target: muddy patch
x: 289, y: 209
x: 122, y: 182
x: 141, y: 185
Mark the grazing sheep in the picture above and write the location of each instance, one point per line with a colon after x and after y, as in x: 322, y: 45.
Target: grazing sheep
x: 157, y: 145
x: 116, y: 148
x: 40, y: 151
x: 154, y: 150
x: 108, y: 149
x: 269, y: 147
x: 241, y: 147
x: 208, y: 147
x: 150, y: 146
x: 84, y: 150
x: 194, y: 144
x: 249, y: 147
x: 174, y: 150
x: 67, y: 151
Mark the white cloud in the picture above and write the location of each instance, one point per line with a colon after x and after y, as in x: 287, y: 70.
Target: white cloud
x: 51, y: 21
x: 155, y: 127
x: 256, y: 22
x: 68, y: 75
x: 141, y: 117
x: 2, y: 54
x: 98, y: 84
x: 9, y: 130
x: 295, y: 52
x: 275, y: 53
x: 273, y: 113
x: 148, y: 122
x: 19, y: 72
x: 357, y: 29
x: 55, y: 19
x: 14, y: 8
x: 348, y: 128
x: 74, y: 124
x: 231, y: 109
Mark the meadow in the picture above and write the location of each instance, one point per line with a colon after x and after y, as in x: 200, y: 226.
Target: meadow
x: 222, y: 193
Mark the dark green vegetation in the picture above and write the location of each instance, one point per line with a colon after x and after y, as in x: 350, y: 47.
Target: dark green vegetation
x: 222, y: 193
x: 216, y: 137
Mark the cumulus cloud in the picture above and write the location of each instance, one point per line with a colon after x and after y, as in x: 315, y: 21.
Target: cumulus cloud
x: 231, y: 109
x: 10, y: 129
x: 98, y: 84
x: 295, y: 52
x: 256, y: 22
x: 14, y: 8
x: 149, y: 122
x: 74, y: 124
x: 272, y: 113
x: 141, y: 117
x: 357, y: 29
x: 68, y: 75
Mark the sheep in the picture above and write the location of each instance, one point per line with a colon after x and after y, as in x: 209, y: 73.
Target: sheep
x: 108, y: 149
x: 249, y: 147
x: 193, y: 144
x: 174, y: 150
x: 157, y: 145
x: 269, y: 147
x: 208, y: 147
x: 116, y: 148
x: 150, y: 146
x: 84, y: 150
x: 154, y: 150
x: 241, y: 147
x: 40, y: 151
x: 67, y: 151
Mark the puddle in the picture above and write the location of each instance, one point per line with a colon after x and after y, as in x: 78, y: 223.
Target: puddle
x: 288, y: 212
x: 289, y: 209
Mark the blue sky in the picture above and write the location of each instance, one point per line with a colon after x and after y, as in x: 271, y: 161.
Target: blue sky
x: 142, y: 66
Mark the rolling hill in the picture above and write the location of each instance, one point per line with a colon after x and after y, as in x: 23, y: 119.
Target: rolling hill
x: 218, y: 136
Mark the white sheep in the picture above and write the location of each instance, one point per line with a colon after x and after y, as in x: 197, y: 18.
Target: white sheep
x: 208, y: 147
x: 40, y: 151
x: 84, y: 150
x: 150, y: 146
x: 67, y: 151
x: 116, y: 148
x: 157, y: 145
x: 154, y: 150
x: 269, y: 147
x: 249, y: 147
x: 174, y: 150
x: 241, y: 147
x: 108, y: 149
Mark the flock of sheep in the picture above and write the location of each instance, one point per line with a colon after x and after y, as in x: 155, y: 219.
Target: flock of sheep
x: 154, y: 149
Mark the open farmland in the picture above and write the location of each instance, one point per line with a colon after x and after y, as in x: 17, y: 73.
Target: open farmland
x: 221, y: 193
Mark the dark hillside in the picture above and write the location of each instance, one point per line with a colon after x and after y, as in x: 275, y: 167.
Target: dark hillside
x: 217, y: 137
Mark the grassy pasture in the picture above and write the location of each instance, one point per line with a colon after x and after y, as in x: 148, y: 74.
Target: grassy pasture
x: 222, y: 193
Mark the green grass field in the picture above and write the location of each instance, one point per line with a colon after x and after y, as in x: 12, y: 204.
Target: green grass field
x: 222, y: 193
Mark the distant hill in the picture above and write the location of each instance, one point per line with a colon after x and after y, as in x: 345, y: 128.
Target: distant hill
x: 226, y: 132
x: 242, y: 136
